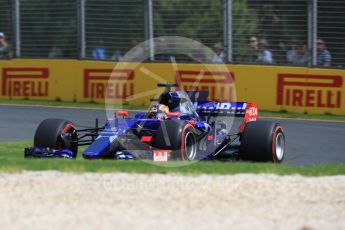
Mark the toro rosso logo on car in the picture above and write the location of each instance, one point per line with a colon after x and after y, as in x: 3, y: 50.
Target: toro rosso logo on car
x: 232, y: 108
x: 108, y: 83
x: 319, y: 91
x: 219, y: 84
x: 25, y: 82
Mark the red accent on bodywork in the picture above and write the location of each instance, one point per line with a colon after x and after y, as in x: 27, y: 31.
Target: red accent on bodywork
x: 146, y: 138
x: 210, y: 138
x: 192, y: 123
x: 159, y: 151
x: 173, y: 114
x: 161, y: 154
x: 252, y: 114
x: 122, y: 113
x: 67, y: 127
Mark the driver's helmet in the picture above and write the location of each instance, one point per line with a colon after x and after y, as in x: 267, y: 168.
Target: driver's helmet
x: 169, y: 99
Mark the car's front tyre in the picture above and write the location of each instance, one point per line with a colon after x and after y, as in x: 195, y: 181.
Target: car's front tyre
x: 178, y: 136
x: 57, y: 134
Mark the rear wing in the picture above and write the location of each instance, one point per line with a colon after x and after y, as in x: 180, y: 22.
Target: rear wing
x: 216, y: 108
x: 248, y: 110
x: 206, y: 108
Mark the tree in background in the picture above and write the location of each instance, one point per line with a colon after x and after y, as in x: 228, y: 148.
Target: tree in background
x: 45, y: 24
x: 6, y: 19
x: 116, y: 23
x: 244, y: 25
x: 204, y: 20
x: 281, y: 23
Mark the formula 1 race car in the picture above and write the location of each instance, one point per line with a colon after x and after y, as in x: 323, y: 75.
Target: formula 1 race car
x: 189, y: 128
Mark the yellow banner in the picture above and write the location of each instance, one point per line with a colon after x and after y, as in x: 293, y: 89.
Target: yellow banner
x: 294, y: 89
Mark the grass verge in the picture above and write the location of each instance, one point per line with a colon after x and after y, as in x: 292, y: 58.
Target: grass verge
x: 12, y: 160
x: 326, y: 117
x: 93, y: 105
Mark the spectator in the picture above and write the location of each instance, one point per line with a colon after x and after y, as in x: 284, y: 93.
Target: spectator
x: 301, y: 56
x: 137, y: 51
x: 254, y: 49
x: 197, y: 52
x: 218, y: 56
x: 290, y: 54
x: 55, y: 52
x: 116, y: 56
x: 162, y: 50
x: 5, y: 50
x: 264, y: 56
x: 99, y: 52
x: 324, y: 57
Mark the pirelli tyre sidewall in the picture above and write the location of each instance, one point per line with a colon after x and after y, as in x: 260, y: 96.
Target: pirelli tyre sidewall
x: 57, y: 134
x: 178, y: 136
x: 263, y: 141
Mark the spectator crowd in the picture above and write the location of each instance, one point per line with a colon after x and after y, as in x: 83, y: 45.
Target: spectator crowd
x: 259, y: 52
x: 5, y: 50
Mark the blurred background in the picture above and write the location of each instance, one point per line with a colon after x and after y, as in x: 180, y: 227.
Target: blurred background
x: 77, y: 28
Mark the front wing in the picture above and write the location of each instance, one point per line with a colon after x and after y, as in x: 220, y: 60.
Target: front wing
x: 47, y: 153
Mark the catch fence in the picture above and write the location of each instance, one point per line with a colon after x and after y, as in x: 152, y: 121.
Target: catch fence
x: 269, y: 32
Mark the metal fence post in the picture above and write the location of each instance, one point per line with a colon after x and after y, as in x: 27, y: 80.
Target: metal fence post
x: 16, y: 27
x: 312, y: 31
x: 81, y: 28
x: 149, y: 28
x: 227, y: 5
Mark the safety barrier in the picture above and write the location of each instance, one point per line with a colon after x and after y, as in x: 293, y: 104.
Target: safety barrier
x: 294, y: 89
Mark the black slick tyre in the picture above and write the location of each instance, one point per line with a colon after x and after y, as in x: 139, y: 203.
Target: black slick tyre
x: 57, y: 134
x: 263, y: 141
x: 178, y: 136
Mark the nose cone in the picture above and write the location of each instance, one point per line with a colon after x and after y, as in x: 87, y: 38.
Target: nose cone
x: 98, y: 149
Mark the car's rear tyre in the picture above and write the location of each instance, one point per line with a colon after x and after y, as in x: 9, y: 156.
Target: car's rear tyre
x: 57, y: 134
x: 263, y: 141
x: 178, y: 136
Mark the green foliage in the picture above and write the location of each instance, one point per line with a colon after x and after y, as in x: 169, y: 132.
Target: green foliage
x: 48, y: 23
x: 193, y: 19
x: 280, y: 22
x: 6, y: 19
x: 114, y: 24
x: 204, y: 20
x: 244, y: 25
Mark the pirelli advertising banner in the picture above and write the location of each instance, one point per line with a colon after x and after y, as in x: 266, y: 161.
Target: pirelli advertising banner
x: 294, y: 89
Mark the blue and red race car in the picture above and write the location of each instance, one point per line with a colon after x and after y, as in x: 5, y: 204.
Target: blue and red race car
x: 189, y: 128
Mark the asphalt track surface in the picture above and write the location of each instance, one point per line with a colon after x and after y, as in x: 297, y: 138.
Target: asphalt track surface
x: 307, y: 142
